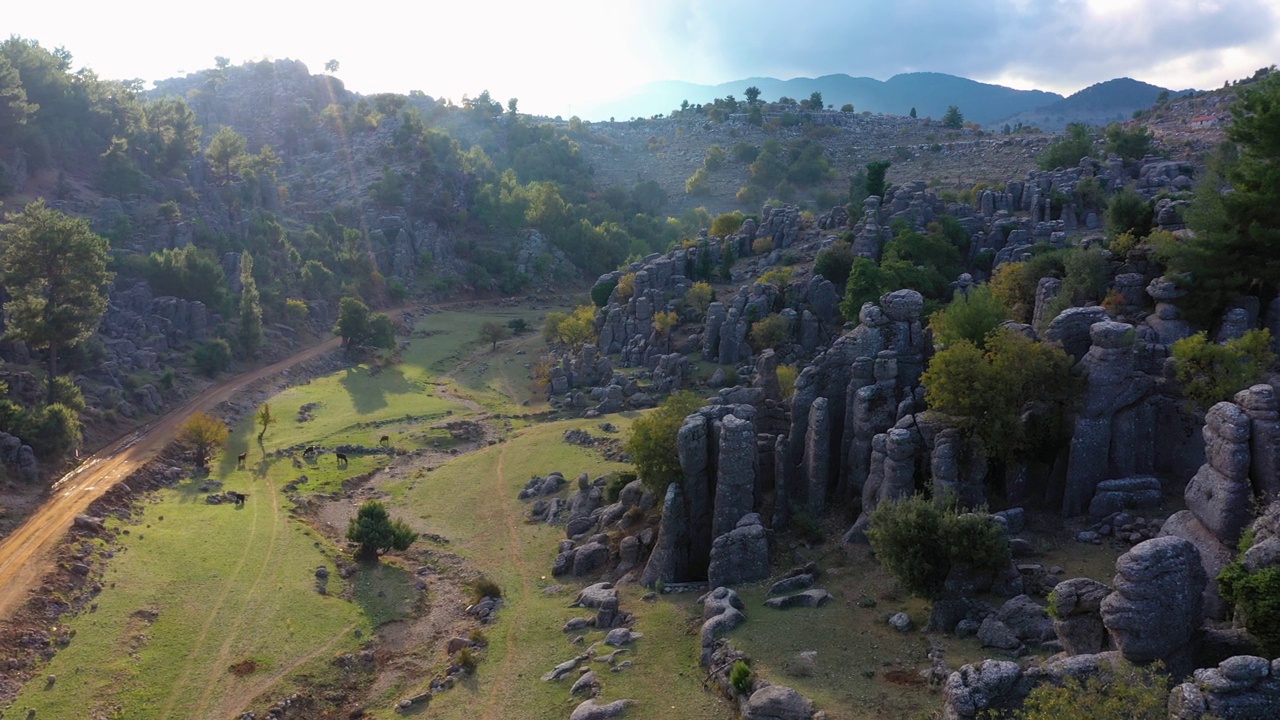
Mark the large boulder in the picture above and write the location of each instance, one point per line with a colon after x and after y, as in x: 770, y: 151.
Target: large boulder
x: 1155, y: 610
x: 740, y: 555
x: 777, y: 702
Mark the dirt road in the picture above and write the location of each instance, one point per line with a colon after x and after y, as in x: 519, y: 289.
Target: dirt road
x: 26, y: 554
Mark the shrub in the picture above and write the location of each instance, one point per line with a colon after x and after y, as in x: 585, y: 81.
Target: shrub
x: 745, y: 152
x: 54, y: 431
x: 1065, y: 153
x: 1127, y: 212
x: 787, y: 375
x: 482, y: 587
x: 626, y: 287
x: 697, y: 184
x: 969, y: 317
x: 740, y: 677
x: 1210, y: 373
x: 518, y: 326
x: 212, y: 357
x: 652, y: 444
x: 918, y: 542
x: 1125, y: 692
x: 715, y: 159
x: 700, y: 296
x: 727, y: 224
x: 771, y: 332
x: 203, y: 433
x: 835, y: 262
x: 600, y: 292
x: 375, y: 532
x: 465, y: 659
x: 1129, y: 144
x: 1256, y: 597
x: 762, y: 245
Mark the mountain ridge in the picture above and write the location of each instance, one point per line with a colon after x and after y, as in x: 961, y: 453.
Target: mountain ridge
x: 930, y: 93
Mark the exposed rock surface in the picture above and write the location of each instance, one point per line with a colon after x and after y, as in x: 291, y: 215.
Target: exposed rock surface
x: 1155, y: 610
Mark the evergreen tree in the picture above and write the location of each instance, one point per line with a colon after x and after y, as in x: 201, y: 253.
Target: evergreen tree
x: 54, y: 270
x: 954, y: 119
x: 250, y: 308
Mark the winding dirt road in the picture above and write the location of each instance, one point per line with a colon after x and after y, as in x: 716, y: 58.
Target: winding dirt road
x: 26, y: 555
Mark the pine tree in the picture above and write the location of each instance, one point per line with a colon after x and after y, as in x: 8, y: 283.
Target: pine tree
x: 250, y: 308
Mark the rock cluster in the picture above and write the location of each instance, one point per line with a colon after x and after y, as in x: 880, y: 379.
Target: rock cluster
x: 19, y: 458
x: 1155, y: 609
x: 1220, y: 495
x: 589, y: 549
x: 1244, y: 687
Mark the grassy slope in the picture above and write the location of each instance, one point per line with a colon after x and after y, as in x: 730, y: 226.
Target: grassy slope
x: 473, y: 502
x: 231, y: 584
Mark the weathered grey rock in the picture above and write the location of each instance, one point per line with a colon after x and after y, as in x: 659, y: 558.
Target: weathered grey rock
x: 1076, y: 605
x: 586, y: 683
x: 1070, y: 329
x: 959, y: 468
x: 1047, y: 290
x: 792, y: 584
x: 618, y: 637
x: 740, y: 555
x: 1156, y: 607
x: 777, y: 702
x: 1242, y: 687
x: 812, y: 598
x: 817, y: 456
x: 597, y: 595
x: 720, y: 600
x: 992, y: 685
x: 718, y: 625
x: 995, y: 634
x: 901, y: 622
x: 1027, y: 619
x: 589, y: 710
x: 1214, y: 556
x: 1260, y: 404
x: 1220, y: 493
x: 669, y: 558
x: 735, y: 476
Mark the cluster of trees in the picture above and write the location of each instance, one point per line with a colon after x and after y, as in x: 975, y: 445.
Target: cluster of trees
x: 923, y: 262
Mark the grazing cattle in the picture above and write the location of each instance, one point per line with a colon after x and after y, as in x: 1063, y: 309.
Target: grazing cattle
x: 239, y: 497
x: 342, y: 458
x: 311, y: 451
x: 240, y: 459
x: 386, y: 440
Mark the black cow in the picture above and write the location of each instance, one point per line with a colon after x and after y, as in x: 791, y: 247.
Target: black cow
x: 240, y: 459
x: 342, y: 458
x: 386, y: 440
x: 239, y: 497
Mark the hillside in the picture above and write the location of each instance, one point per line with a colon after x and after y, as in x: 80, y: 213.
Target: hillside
x: 929, y: 93
x: 1106, y: 102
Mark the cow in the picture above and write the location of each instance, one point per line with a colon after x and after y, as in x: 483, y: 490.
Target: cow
x: 342, y: 457
x: 385, y: 441
x: 241, y: 458
x: 239, y: 497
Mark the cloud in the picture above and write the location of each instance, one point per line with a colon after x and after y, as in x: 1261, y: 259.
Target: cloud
x: 1056, y: 44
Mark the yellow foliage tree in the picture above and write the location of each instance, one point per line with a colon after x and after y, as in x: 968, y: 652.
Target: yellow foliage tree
x: 203, y: 432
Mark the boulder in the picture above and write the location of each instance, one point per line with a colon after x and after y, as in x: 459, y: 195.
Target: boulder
x: 777, y: 702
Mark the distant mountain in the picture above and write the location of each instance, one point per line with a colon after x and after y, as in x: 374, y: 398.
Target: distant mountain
x: 929, y: 93
x: 1100, y: 104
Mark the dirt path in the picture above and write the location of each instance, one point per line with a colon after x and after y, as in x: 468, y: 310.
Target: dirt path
x: 25, y: 555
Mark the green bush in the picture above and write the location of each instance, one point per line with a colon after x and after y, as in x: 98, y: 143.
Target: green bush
x: 727, y: 224
x: 617, y: 481
x: 740, y: 677
x: 1066, y: 153
x: 483, y: 587
x: 969, y: 317
x: 835, y: 262
x: 212, y: 357
x: 1256, y: 597
x: 1210, y: 373
x: 55, y: 430
x: 652, y: 445
x: 601, y: 291
x: 771, y: 332
x: 918, y: 542
x: 1125, y: 692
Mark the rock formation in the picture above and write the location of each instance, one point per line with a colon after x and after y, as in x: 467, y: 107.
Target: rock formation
x: 1156, y: 609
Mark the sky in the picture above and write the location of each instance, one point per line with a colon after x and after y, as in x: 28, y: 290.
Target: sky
x: 555, y: 53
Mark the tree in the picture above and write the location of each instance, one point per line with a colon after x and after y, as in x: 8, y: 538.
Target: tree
x: 512, y: 104
x: 1236, y: 247
x: 331, y: 67
x: 353, y: 321
x: 382, y: 332
x: 1127, y: 212
x: 1129, y: 143
x: 753, y: 94
x: 652, y: 445
x: 492, y: 332
x: 918, y: 542
x: 376, y: 533
x: 1075, y: 144
x: 846, y: 108
x: 265, y: 419
x: 953, y: 119
x: 912, y: 114
x: 875, y: 177
x: 212, y: 357
x: 203, y: 432
x: 699, y: 297
x: 250, y: 331
x: 1210, y: 373
x: 54, y: 270
x: 815, y: 101
x: 970, y: 316
x: 989, y: 392
x: 225, y: 147
x: 770, y: 332
x: 834, y: 263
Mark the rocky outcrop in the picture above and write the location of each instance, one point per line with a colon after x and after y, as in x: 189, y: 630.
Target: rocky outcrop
x: 1156, y: 609
x: 1221, y: 493
x: 19, y: 458
x: 1113, y: 435
x: 1076, y: 606
x: 740, y: 555
x: 1243, y: 687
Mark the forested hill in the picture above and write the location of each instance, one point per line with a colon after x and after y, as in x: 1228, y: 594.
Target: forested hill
x: 929, y: 93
